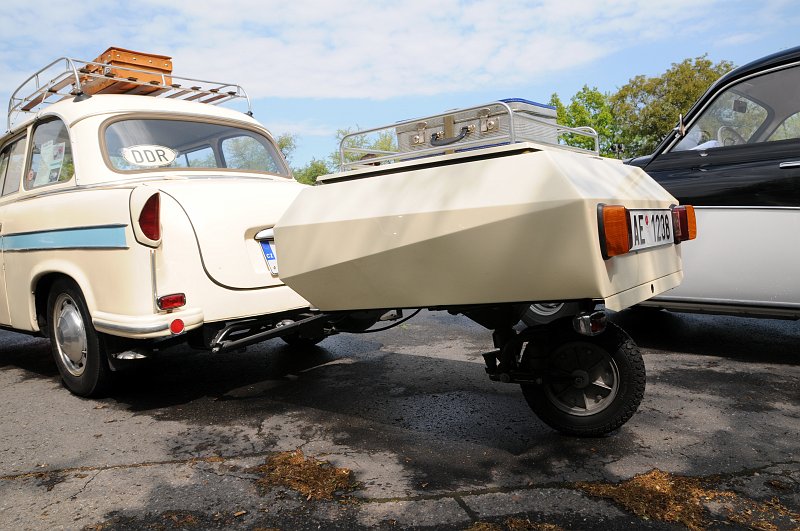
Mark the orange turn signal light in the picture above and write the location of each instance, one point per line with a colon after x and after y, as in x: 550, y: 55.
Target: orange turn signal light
x: 614, y: 225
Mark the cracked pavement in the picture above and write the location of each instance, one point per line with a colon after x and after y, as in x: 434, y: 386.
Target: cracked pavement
x: 431, y: 441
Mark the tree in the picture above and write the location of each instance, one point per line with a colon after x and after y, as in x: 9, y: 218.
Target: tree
x: 380, y: 141
x: 588, y: 108
x: 647, y: 108
x: 287, y: 143
x: 308, y: 174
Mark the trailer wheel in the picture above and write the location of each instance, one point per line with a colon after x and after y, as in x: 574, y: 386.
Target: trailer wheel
x: 77, y: 348
x: 590, y: 386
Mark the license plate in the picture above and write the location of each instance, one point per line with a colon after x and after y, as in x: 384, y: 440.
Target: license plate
x: 650, y: 228
x: 269, y: 253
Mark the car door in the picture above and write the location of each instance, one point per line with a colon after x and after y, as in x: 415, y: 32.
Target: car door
x: 739, y: 164
x: 12, y: 163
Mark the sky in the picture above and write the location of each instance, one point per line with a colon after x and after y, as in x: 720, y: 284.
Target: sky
x: 312, y: 67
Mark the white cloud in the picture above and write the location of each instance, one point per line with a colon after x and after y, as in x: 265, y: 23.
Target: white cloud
x: 359, y: 49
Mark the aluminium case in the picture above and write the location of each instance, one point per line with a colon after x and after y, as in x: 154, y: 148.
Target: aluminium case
x: 491, y: 123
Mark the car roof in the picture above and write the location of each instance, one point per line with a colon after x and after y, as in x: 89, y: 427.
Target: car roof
x: 74, y: 109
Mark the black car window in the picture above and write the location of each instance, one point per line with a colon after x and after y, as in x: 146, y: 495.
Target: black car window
x: 759, y: 109
x: 788, y: 130
x: 730, y: 120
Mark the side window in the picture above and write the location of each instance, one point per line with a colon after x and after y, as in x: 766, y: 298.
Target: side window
x: 51, y: 155
x: 730, y: 120
x: 12, y: 163
x: 760, y: 109
x: 789, y: 129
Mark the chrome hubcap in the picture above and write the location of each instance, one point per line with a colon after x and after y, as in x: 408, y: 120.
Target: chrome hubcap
x: 547, y: 308
x: 583, y: 379
x: 70, y: 335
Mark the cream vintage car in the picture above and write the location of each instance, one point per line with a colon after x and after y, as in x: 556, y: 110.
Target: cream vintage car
x: 127, y: 220
x: 149, y: 215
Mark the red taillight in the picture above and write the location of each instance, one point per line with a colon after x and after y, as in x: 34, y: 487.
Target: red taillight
x: 170, y: 302
x: 685, y: 222
x: 613, y: 221
x: 150, y: 219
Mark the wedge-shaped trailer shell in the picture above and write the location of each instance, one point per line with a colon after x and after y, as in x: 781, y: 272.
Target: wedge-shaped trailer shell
x: 515, y: 223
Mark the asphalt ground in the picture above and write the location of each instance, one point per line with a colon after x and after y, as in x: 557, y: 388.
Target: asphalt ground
x: 183, y: 440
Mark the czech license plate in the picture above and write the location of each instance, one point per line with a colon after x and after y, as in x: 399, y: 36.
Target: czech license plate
x: 650, y: 228
x: 269, y: 253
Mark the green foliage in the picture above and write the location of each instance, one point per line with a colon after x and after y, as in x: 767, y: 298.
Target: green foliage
x: 308, y: 174
x: 287, y: 143
x: 381, y: 141
x: 332, y: 163
x: 588, y: 108
x: 647, y: 108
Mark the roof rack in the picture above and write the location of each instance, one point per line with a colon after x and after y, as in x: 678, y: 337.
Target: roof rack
x: 491, y: 124
x: 66, y: 77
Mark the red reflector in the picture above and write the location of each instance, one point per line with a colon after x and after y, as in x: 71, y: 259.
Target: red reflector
x: 614, y: 230
x: 169, y: 302
x: 149, y: 218
x: 176, y: 326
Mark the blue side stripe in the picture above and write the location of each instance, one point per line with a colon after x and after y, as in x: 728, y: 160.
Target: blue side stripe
x: 81, y: 238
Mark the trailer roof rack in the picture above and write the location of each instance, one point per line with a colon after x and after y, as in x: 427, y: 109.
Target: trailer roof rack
x: 523, y: 126
x: 66, y: 77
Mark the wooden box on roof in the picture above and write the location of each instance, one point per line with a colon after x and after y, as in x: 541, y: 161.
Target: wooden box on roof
x: 126, y: 70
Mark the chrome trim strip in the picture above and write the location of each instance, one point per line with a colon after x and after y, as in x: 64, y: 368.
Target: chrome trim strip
x: 153, y: 281
x: 726, y: 302
x: 760, y: 208
x: 102, y: 326
x: 266, y: 234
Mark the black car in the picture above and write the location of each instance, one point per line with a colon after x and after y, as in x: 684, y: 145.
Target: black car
x: 736, y: 157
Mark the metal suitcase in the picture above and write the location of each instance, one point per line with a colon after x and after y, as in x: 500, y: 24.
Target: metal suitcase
x: 530, y: 121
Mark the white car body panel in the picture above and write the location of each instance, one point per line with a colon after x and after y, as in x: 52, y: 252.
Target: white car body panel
x: 82, y: 229
x: 736, y: 264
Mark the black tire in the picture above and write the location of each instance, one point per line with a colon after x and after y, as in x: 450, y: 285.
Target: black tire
x: 78, y: 350
x: 301, y: 341
x: 608, y: 366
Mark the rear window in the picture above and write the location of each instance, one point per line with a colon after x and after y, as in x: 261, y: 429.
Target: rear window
x: 155, y: 144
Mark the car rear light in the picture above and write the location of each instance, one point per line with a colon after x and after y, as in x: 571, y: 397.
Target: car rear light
x: 614, y: 226
x: 176, y: 326
x: 683, y: 217
x: 170, y: 302
x: 150, y: 219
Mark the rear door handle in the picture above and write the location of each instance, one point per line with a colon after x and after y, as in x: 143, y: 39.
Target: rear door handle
x: 786, y: 165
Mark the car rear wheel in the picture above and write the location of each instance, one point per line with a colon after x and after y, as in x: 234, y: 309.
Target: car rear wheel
x: 547, y: 312
x: 78, y: 349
